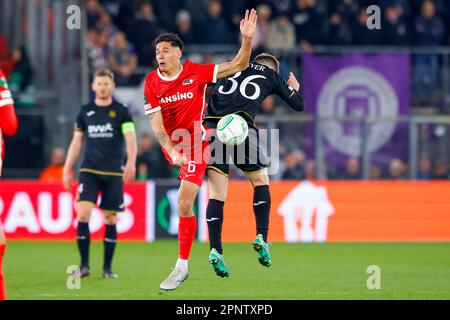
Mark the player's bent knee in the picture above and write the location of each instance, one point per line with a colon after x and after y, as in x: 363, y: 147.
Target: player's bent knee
x: 259, y: 180
x: 218, y: 196
x: 110, y: 218
x: 84, y: 211
x: 84, y: 217
x: 185, y: 208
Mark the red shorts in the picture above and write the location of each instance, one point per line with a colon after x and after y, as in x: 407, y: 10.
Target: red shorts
x: 197, y: 161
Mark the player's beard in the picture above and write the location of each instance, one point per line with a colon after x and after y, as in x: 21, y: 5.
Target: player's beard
x: 103, y: 95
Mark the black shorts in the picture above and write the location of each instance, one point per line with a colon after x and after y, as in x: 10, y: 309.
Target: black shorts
x: 110, y: 188
x: 249, y: 156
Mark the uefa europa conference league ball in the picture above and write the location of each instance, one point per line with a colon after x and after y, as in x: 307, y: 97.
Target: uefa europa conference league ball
x: 232, y: 129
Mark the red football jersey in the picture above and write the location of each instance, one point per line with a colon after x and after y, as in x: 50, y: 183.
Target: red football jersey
x: 181, y: 99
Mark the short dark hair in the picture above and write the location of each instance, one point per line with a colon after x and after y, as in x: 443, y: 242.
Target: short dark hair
x: 268, y: 58
x: 103, y: 73
x: 172, y: 38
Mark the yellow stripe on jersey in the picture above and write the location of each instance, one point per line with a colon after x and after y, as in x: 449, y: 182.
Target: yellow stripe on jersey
x: 104, y: 173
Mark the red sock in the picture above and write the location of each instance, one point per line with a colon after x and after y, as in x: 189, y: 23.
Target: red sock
x: 2, y: 278
x: 186, y: 235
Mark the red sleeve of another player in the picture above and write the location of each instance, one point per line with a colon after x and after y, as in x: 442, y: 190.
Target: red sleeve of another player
x: 207, y: 72
x: 151, y: 103
x: 8, y: 119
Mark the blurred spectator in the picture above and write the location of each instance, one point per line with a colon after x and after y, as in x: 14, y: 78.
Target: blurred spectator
x: 96, y: 49
x: 362, y: 35
x: 6, y: 62
x: 397, y: 170
x: 352, y: 170
x: 112, y: 7
x: 281, y: 34
x: 328, y: 173
x: 282, y: 7
x: 197, y: 8
x: 376, y: 173
x: 142, y: 172
x: 150, y: 156
x: 53, y: 173
x: 294, y: 166
x: 121, y: 11
x: 307, y: 21
x: 424, y: 168
x: 310, y: 169
x: 263, y: 27
x: 404, y: 5
x: 122, y: 59
x: 441, y: 172
x: 184, y: 27
x: 165, y: 11
x: 105, y: 24
x: 348, y: 9
x: 93, y: 12
x: 429, y: 32
x: 143, y: 32
x: 216, y: 29
x: 268, y: 105
x: 337, y: 31
x: 234, y: 12
x: 22, y: 74
x: 395, y: 27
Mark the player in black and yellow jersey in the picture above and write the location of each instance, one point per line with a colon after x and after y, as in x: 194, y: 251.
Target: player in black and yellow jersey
x: 103, y: 126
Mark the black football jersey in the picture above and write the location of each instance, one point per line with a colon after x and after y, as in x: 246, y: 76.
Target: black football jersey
x: 243, y: 93
x: 104, y: 141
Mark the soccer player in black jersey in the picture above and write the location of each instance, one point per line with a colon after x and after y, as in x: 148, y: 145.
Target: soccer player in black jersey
x: 242, y: 94
x: 103, y: 126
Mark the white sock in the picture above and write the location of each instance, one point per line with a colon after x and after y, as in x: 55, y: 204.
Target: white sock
x: 182, y: 264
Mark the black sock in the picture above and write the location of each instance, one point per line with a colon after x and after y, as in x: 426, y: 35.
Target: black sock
x: 214, y: 218
x: 83, y: 241
x: 109, y: 243
x: 261, y: 208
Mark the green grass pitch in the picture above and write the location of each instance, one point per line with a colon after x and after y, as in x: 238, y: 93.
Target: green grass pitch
x: 37, y: 270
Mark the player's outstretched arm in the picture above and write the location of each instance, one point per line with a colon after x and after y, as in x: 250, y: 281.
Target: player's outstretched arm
x: 242, y: 59
x: 72, y: 155
x: 157, y: 124
x: 129, y: 172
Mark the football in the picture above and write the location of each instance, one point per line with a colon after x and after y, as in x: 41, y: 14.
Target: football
x: 232, y: 130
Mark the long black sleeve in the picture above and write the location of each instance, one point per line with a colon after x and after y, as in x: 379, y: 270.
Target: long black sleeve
x: 293, y: 98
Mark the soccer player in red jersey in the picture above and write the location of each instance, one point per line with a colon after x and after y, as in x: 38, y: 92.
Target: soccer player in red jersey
x: 175, y: 100
x: 8, y: 126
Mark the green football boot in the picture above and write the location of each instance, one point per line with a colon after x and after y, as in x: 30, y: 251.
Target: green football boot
x: 218, y: 263
x: 260, y: 246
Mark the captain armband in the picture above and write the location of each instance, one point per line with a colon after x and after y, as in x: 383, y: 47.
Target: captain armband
x: 128, y: 127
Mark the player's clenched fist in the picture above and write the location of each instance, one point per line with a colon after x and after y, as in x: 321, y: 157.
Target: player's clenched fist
x: 129, y: 172
x: 293, y: 82
x: 68, y: 179
x: 178, y: 159
x: 248, y: 24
